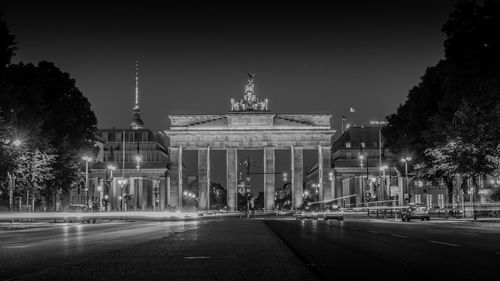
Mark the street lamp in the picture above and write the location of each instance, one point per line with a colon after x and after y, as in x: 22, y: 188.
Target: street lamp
x: 383, y: 168
x: 138, y: 160
x: 361, y: 158
x: 121, y: 182
x: 405, y: 160
x: 111, y: 168
x: 87, y: 159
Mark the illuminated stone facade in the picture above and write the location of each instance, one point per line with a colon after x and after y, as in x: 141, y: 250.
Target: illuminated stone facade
x: 249, y: 125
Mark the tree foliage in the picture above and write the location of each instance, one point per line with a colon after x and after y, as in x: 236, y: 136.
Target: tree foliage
x: 34, y: 171
x: 7, y: 44
x: 49, y: 114
x: 450, y: 121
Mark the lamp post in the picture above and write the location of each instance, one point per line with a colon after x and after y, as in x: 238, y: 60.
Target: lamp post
x: 405, y: 160
x: 87, y: 159
x: 361, y: 158
x: 383, y: 168
x: 138, y: 160
x: 121, y: 182
x: 12, y: 181
x: 111, y: 168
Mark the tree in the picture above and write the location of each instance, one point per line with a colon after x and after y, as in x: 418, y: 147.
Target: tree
x: 7, y: 44
x: 450, y: 121
x: 33, y: 172
x: 470, y: 152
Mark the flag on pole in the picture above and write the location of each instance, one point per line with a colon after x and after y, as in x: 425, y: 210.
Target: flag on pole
x: 351, y: 109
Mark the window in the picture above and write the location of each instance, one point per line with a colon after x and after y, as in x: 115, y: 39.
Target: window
x: 429, y: 201
x: 348, y: 155
x: 105, y: 136
x: 348, y: 144
x: 118, y: 137
x: 441, y: 200
x: 131, y: 136
x: 144, y: 136
x: 418, y: 199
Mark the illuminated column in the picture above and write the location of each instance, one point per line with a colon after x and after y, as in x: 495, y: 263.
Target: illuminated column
x: 232, y: 177
x: 297, y: 175
x: 145, y: 187
x: 114, y: 194
x: 327, y: 186
x: 162, y: 194
x: 203, y: 178
x: 269, y: 178
x: 175, y: 196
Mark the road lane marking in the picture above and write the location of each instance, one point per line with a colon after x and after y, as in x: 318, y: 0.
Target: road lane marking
x: 200, y: 257
x: 400, y: 236
x: 444, y: 243
x: 372, y: 231
x: 355, y: 228
x: 16, y: 246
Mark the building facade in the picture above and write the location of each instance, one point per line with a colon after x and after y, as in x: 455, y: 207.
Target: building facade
x: 249, y: 125
x: 130, y: 170
x: 364, y: 170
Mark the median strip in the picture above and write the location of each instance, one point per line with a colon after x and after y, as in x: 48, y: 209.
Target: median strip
x: 444, y: 243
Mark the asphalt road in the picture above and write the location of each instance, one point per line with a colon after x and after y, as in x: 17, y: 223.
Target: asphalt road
x: 363, y: 250
x: 27, y: 251
x: 277, y: 248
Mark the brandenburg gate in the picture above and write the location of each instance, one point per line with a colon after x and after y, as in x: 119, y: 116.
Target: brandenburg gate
x: 249, y: 125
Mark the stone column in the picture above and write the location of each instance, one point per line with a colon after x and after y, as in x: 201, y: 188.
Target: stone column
x: 297, y: 176
x: 145, y: 186
x: 203, y: 178
x: 232, y: 177
x: 320, y: 177
x: 269, y: 178
x: 162, y: 193
x: 175, y: 196
x: 326, y: 191
x: 114, y: 194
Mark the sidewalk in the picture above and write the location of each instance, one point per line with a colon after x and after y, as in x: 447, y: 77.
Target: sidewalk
x: 232, y: 249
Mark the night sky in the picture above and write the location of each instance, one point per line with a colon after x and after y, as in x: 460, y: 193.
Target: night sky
x: 194, y: 57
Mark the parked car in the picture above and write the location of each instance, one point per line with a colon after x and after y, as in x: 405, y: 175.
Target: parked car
x: 334, y: 212
x: 415, y: 212
x: 78, y: 208
x: 304, y: 215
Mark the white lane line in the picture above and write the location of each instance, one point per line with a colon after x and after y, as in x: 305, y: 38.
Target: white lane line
x: 199, y: 257
x: 400, y: 236
x: 355, y: 228
x: 372, y: 231
x: 16, y: 246
x: 444, y: 243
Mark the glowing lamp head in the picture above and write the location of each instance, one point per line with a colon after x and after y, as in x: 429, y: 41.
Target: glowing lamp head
x: 111, y: 167
x: 17, y: 142
x: 87, y: 158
